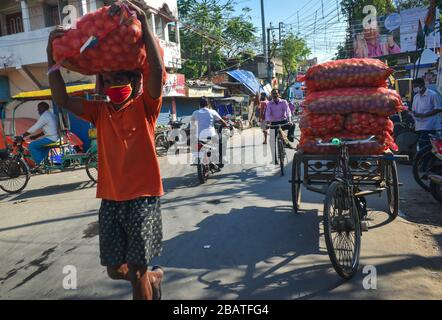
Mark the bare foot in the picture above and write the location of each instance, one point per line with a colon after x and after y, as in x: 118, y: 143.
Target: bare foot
x: 156, y: 276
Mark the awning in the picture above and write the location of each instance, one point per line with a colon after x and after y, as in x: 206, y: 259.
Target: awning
x: 47, y: 94
x: 248, y: 79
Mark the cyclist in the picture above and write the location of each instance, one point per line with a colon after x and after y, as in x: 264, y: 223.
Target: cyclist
x: 278, y: 113
x: 203, y: 127
x: 48, y: 123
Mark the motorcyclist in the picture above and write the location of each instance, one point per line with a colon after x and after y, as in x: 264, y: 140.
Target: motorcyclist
x: 203, y: 127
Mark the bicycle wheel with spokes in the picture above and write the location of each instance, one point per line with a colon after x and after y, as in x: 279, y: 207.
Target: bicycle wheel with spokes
x: 342, y: 230
x: 296, y: 185
x: 92, y: 167
x: 392, y: 184
x: 161, y: 144
x: 14, y: 175
x: 281, y: 156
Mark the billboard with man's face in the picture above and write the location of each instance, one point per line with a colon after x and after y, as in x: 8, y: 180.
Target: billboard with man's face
x: 392, y: 34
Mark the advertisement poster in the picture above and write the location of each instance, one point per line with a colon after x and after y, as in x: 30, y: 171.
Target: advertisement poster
x: 410, y: 26
x: 175, y: 85
x: 393, y: 34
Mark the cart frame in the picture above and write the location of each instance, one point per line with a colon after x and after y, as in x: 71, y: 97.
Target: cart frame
x: 372, y: 174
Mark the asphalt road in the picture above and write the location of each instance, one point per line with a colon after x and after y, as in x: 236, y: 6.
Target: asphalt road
x: 235, y: 237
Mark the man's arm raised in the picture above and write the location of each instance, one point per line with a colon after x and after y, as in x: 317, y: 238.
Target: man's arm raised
x: 56, y: 82
x: 154, y: 58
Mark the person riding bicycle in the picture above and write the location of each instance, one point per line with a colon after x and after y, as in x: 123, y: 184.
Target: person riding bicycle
x: 278, y: 113
x: 48, y: 123
x: 203, y: 126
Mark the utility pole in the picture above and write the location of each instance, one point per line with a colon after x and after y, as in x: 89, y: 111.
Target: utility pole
x: 270, y: 64
x: 264, y: 45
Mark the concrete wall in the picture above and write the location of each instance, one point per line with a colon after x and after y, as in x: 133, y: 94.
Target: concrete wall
x: 36, y: 14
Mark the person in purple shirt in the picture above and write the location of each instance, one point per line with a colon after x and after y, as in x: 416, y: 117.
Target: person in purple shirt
x: 278, y: 113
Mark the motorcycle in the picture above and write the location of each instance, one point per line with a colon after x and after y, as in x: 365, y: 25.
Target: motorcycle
x: 405, y: 135
x: 436, y: 175
x: 205, y: 155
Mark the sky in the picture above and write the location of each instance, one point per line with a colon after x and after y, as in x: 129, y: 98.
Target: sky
x: 322, y: 36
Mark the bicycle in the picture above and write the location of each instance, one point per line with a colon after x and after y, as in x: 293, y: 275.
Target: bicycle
x: 280, y: 142
x: 14, y: 171
x: 344, y: 213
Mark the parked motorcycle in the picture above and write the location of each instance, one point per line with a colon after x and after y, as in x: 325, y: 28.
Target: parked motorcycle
x: 176, y: 133
x: 435, y: 176
x: 425, y: 164
x: 405, y: 135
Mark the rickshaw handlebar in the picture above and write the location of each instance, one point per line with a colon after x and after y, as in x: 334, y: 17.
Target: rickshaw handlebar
x: 336, y: 142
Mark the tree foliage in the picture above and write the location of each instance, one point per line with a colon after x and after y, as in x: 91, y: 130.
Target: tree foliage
x: 294, y: 50
x: 211, y: 33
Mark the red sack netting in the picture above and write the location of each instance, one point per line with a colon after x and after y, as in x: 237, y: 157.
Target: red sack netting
x: 380, y: 101
x: 309, y: 145
x: 347, y: 73
x: 118, y: 47
x: 321, y: 124
x: 365, y: 123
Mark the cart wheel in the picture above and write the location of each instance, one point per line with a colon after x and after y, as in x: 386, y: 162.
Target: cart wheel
x: 296, y: 185
x: 392, y: 185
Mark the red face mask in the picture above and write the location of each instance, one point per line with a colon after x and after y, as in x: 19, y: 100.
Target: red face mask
x: 119, y: 94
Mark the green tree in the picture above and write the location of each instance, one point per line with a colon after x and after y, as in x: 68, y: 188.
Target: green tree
x: 407, y: 4
x: 294, y: 50
x: 212, y: 33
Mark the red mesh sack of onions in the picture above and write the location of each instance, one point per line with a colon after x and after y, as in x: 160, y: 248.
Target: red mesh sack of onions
x: 379, y: 101
x: 365, y: 123
x: 102, y: 43
x: 321, y: 124
x: 348, y: 73
x: 382, y: 143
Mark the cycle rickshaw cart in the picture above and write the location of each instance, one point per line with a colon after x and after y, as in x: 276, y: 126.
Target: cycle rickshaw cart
x: 64, y: 154
x: 345, y: 180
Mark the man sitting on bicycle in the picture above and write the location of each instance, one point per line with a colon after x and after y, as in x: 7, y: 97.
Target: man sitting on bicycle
x: 203, y: 124
x: 278, y: 113
x: 48, y: 123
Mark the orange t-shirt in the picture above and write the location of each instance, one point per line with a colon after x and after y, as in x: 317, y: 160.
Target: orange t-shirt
x: 128, y: 167
x: 2, y: 137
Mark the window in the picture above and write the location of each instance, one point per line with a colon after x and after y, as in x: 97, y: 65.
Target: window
x: 52, y: 16
x: 14, y: 23
x: 171, y: 26
x: 159, y: 27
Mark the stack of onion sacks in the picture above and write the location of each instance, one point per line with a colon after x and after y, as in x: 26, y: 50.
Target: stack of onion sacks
x: 356, y: 90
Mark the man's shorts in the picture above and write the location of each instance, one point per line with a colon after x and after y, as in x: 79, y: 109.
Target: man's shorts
x: 130, y: 231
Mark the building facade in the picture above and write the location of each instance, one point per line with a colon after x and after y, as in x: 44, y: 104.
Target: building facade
x: 24, y: 29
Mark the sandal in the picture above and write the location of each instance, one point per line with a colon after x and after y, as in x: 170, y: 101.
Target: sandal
x: 156, y: 291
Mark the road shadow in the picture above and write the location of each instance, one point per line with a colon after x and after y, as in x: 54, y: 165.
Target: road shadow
x: 53, y: 190
x: 86, y: 214
x: 251, y: 237
x: 182, y: 182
